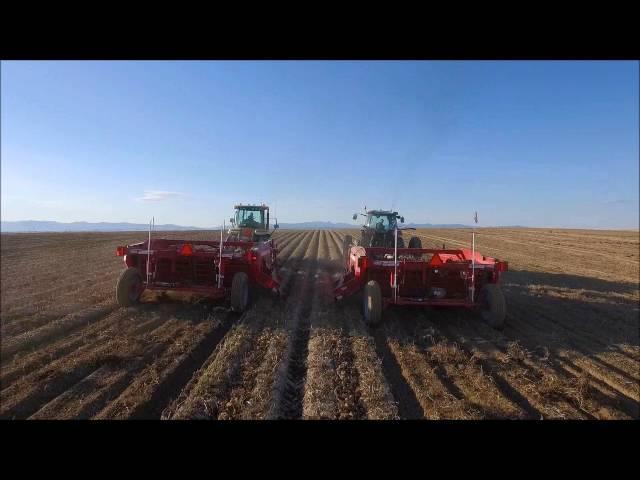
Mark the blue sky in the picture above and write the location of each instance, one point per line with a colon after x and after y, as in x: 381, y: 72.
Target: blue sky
x: 529, y: 143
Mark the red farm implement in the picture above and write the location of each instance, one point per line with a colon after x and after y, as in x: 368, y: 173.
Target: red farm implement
x: 387, y: 273
x: 220, y: 270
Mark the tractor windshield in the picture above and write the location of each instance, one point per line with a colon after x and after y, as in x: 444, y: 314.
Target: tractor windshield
x: 250, y: 218
x: 381, y: 222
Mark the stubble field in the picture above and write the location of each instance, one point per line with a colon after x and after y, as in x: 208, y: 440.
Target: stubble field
x: 570, y: 348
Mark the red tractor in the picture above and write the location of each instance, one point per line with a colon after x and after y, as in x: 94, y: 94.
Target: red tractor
x: 388, y: 273
x: 223, y: 269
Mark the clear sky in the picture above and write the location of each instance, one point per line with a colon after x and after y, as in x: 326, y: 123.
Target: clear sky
x: 523, y: 143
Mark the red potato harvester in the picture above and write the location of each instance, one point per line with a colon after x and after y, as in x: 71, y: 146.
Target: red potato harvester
x: 388, y: 273
x: 220, y: 270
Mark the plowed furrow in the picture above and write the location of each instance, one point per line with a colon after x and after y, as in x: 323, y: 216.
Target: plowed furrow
x: 163, y: 380
x: 408, y: 405
x: 24, y: 397
x: 298, y: 312
x: 63, y: 326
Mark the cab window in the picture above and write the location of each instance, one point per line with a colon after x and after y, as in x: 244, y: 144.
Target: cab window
x: 381, y: 223
x: 250, y: 218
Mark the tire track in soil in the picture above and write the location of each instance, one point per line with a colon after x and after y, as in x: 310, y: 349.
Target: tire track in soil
x: 516, y: 332
x: 122, y: 322
x: 367, y: 384
x: 212, y: 386
x: 288, y: 272
x: 578, y: 316
x: 331, y: 388
x: 603, y: 394
x: 374, y: 392
x: 556, y: 334
x: 205, y: 395
x: 257, y: 390
x: 289, y: 404
x: 177, y: 378
x: 149, y: 326
x: 547, y: 387
x: 20, y: 305
x: 446, y: 382
x: 45, y: 385
x: 458, y: 333
x: 348, y: 385
x: 86, y: 395
x: 408, y: 405
x: 588, y: 363
x: 65, y: 325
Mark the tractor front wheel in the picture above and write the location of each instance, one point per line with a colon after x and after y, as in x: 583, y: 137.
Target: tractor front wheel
x: 492, y: 306
x: 240, y: 292
x: 372, y: 307
x: 129, y: 287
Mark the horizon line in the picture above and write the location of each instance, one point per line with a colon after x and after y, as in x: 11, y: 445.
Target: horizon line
x: 217, y: 227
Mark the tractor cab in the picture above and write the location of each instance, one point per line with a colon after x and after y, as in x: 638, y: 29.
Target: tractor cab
x: 250, y: 223
x: 379, y: 227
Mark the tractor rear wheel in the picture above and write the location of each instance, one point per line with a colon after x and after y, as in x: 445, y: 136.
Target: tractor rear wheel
x: 372, y: 303
x: 492, y: 306
x: 240, y: 292
x: 415, y: 242
x: 346, y: 247
x: 129, y: 287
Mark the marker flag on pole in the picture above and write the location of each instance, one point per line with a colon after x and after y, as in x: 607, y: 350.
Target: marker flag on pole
x: 475, y: 217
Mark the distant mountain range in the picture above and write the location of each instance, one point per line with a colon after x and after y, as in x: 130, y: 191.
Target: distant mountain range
x: 46, y: 226
x: 49, y: 226
x: 435, y: 225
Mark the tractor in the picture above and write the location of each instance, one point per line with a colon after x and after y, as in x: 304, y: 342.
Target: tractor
x: 385, y: 272
x: 224, y: 269
x: 379, y: 227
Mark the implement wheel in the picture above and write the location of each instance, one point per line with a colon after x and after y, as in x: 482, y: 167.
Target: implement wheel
x: 129, y: 287
x: 372, y: 303
x: 493, y: 308
x: 415, y: 242
x: 240, y: 292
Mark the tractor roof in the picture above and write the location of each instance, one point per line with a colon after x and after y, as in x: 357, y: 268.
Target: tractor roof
x: 381, y: 212
x: 251, y: 207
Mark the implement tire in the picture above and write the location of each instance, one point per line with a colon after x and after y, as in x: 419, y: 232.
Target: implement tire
x: 493, y: 308
x: 129, y: 287
x: 240, y: 292
x: 372, y: 303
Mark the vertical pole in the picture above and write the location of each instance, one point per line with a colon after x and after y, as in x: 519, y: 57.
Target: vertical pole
x: 220, y: 257
x: 149, y: 251
x: 473, y: 258
x: 395, y: 265
x: 473, y: 264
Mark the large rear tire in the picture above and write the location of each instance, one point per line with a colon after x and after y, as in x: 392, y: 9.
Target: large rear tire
x: 415, y: 242
x: 493, y: 308
x: 372, y: 303
x: 240, y: 292
x: 129, y: 287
